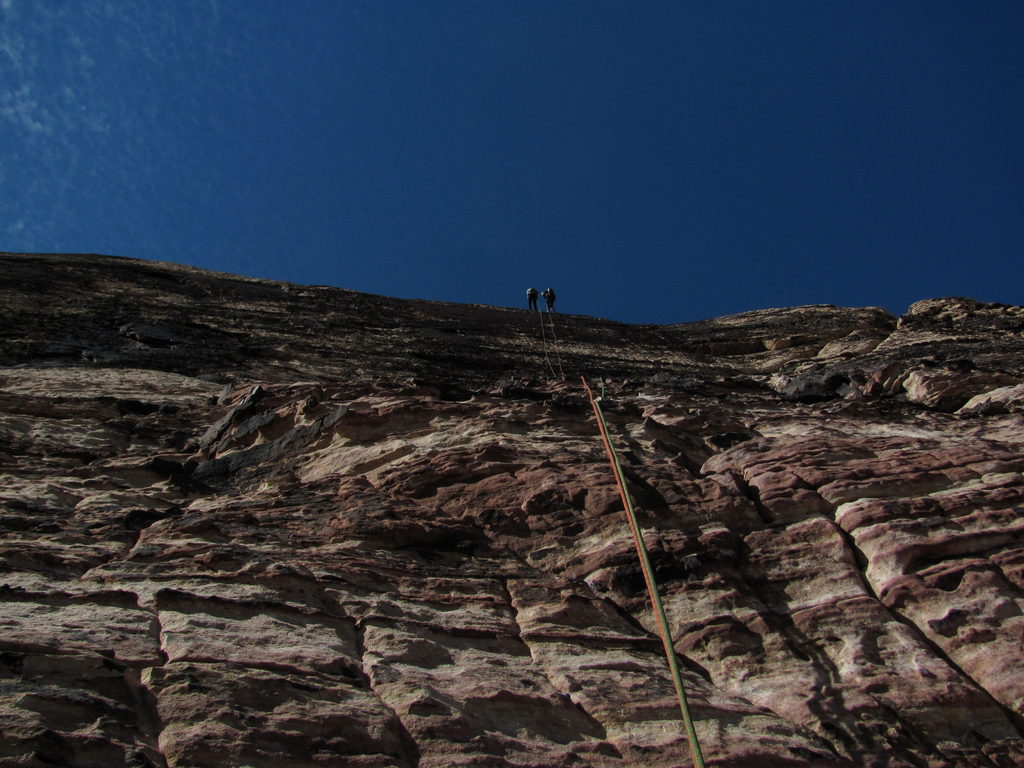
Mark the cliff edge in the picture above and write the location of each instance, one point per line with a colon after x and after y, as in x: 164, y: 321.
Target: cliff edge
x: 250, y: 523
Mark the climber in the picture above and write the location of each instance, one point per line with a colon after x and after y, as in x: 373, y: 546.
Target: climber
x: 549, y: 297
x: 531, y: 295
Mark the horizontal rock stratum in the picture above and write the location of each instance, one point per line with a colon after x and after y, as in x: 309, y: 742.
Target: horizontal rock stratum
x: 249, y: 523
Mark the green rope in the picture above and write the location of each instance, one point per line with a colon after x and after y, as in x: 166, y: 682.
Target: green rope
x: 652, y: 589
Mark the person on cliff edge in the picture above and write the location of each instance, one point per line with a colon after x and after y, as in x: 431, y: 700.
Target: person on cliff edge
x: 531, y: 296
x: 549, y: 297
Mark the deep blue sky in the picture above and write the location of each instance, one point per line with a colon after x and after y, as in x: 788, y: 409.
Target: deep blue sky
x: 652, y: 161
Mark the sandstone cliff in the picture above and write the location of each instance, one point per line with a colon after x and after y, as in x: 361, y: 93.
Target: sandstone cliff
x: 248, y: 523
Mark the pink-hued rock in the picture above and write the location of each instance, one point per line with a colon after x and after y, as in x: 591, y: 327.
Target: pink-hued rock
x: 948, y: 390
x: 221, y: 714
x: 999, y: 400
x: 309, y: 527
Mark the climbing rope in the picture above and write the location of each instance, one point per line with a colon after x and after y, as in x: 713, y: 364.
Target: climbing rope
x: 652, y: 589
x: 551, y: 319
x: 544, y: 341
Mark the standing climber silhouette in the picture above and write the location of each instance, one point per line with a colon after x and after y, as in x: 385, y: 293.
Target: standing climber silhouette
x: 549, y: 297
x: 531, y: 295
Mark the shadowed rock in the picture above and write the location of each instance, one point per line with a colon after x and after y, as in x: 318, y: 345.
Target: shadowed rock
x: 254, y: 523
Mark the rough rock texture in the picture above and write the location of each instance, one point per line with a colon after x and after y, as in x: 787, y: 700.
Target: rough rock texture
x: 248, y: 523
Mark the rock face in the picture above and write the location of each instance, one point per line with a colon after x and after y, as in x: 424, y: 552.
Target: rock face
x: 248, y: 523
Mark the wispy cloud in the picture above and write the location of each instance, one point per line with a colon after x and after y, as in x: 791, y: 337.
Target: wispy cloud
x: 23, y: 110
x: 12, y: 45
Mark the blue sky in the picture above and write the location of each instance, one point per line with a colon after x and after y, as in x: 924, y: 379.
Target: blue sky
x: 653, y: 162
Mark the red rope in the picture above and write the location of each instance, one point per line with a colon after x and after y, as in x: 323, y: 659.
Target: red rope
x: 652, y: 589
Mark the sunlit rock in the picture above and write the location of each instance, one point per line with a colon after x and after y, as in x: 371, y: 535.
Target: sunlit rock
x: 254, y: 524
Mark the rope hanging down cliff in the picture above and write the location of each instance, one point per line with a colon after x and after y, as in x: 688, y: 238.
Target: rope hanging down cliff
x: 652, y: 589
x: 554, y: 340
x: 554, y: 343
x: 544, y: 341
